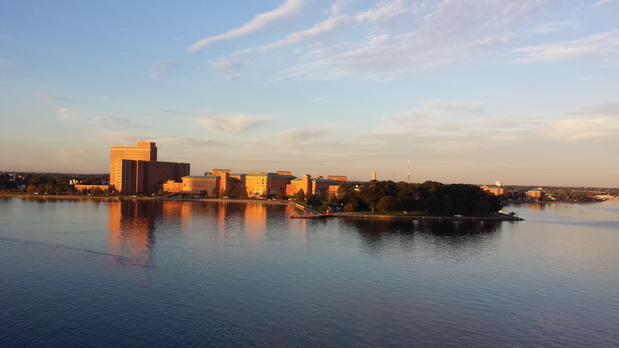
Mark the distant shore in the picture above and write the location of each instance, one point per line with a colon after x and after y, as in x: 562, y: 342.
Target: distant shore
x: 352, y: 215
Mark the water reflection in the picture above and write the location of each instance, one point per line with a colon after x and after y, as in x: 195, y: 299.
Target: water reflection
x: 135, y: 225
x: 131, y: 229
x: 459, y: 239
x: 377, y: 227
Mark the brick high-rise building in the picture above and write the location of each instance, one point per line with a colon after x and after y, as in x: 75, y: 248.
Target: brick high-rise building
x: 135, y: 169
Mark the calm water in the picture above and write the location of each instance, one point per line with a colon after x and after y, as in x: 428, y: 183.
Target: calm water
x: 89, y: 273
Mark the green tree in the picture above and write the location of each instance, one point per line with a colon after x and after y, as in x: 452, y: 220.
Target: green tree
x: 313, y: 200
x: 299, y: 197
x: 386, y: 204
x: 371, y: 193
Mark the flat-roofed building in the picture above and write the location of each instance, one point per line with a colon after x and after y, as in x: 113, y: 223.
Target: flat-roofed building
x: 266, y: 184
x: 322, y: 187
x: 303, y: 183
x: 536, y: 193
x: 135, y: 169
x: 207, y: 185
x: 494, y: 189
x: 144, y: 151
x: 340, y: 178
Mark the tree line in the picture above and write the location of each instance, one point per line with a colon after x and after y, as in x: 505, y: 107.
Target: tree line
x: 430, y: 197
x: 49, y: 183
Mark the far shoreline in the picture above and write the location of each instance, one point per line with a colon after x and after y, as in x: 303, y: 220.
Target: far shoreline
x: 351, y: 215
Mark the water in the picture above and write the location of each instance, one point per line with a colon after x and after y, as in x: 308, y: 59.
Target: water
x: 144, y: 273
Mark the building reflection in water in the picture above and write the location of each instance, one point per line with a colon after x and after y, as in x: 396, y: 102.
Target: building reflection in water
x: 255, y: 220
x: 131, y: 231
x: 134, y: 224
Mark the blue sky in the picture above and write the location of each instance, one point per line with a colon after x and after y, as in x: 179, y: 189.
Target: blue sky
x: 469, y: 91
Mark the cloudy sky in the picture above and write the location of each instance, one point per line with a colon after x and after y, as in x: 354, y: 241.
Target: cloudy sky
x: 470, y: 91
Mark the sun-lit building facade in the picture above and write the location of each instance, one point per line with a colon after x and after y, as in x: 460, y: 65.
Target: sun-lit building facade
x: 135, y: 169
x: 267, y: 184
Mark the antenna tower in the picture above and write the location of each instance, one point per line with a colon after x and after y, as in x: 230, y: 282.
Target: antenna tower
x: 409, y: 171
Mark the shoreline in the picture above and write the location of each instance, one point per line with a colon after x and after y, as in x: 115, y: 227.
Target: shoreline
x: 353, y: 215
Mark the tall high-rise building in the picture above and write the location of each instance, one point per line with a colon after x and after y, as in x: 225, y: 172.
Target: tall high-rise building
x: 135, y: 169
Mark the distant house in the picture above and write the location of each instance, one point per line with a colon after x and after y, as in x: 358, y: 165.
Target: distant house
x: 536, y: 193
x: 496, y: 190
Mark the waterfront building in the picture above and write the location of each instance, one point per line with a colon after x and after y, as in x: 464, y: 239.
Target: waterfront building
x: 318, y: 186
x: 340, y: 178
x: 303, y: 183
x: 223, y: 183
x: 207, y: 185
x: 536, y: 193
x: 323, y: 187
x: 135, y: 169
x: 266, y: 184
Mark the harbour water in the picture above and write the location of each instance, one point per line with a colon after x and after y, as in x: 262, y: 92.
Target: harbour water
x: 170, y: 273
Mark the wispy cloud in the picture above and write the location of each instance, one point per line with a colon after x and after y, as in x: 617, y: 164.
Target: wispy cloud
x: 160, y: 68
x: 594, y: 45
x: 447, y: 105
x: 600, y: 3
x: 65, y: 113
x: 52, y: 97
x: 553, y: 27
x: 431, y: 113
x: 288, y: 9
x: 392, y: 38
x: 230, y: 66
x: 175, y: 112
x: 239, y: 123
x: 402, y: 37
x: 113, y: 122
x: 583, y: 129
x: 608, y: 109
x: 290, y: 142
x: 169, y: 139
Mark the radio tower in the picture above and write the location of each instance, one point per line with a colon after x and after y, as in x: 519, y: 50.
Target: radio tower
x: 409, y: 171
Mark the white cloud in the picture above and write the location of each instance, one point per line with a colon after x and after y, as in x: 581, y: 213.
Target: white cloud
x: 239, y: 123
x: 595, y: 45
x: 288, y: 9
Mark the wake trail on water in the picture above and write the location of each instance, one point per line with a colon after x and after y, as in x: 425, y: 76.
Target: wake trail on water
x: 118, y: 258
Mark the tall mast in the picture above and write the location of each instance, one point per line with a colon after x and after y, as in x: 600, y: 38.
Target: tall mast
x: 409, y: 171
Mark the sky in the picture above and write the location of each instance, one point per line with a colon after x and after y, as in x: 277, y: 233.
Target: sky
x: 469, y: 91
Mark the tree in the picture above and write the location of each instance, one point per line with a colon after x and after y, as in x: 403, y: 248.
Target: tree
x: 386, y: 204
x: 313, y: 201
x: 299, y: 196
x: 371, y: 193
x: 406, y: 196
x: 332, y: 199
